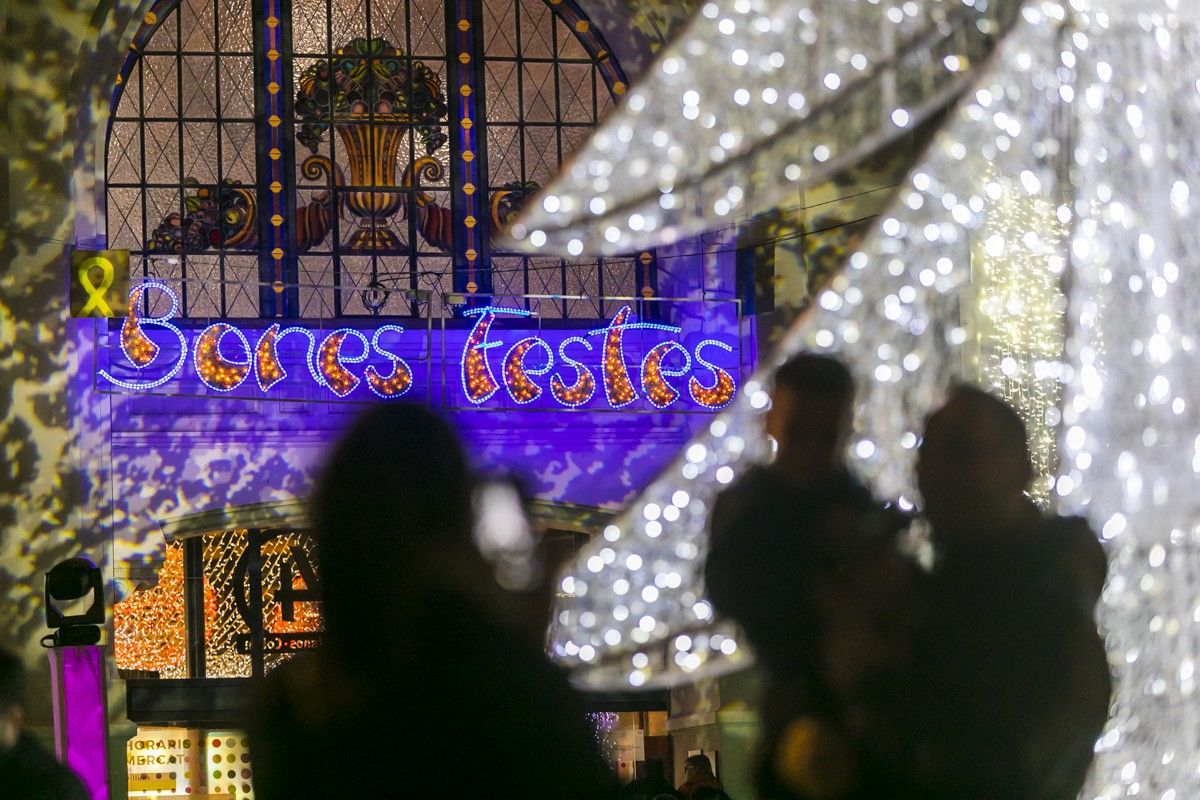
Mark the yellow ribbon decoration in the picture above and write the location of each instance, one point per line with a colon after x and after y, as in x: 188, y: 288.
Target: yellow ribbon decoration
x: 96, y: 293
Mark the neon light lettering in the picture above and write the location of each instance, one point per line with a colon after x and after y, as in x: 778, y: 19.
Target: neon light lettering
x: 216, y: 371
x: 389, y: 376
x: 138, y: 348
x: 516, y: 375
x: 478, y: 382
x: 585, y: 383
x: 720, y: 394
x: 401, y: 378
x: 658, y: 391
x: 267, y: 368
x: 331, y: 361
x: 617, y: 386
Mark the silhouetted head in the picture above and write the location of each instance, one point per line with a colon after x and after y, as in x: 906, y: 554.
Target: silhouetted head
x: 812, y: 409
x: 697, y: 766
x: 395, y: 490
x: 12, y: 699
x: 973, y: 465
x: 653, y: 768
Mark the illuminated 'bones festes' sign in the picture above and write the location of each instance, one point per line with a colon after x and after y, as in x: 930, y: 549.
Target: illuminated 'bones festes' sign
x: 224, y: 359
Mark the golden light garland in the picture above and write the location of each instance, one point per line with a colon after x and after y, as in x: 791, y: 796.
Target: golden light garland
x: 340, y: 380
x: 724, y: 387
x: 399, y: 380
x: 137, y: 345
x: 150, y: 627
x: 308, y: 615
x: 266, y: 359
x: 1016, y: 264
x: 617, y: 385
x: 660, y: 393
x: 215, y: 370
x: 516, y: 375
x: 393, y: 385
x: 584, y: 387
x: 478, y: 382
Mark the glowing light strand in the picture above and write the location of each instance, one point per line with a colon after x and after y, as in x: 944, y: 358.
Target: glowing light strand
x: 617, y: 386
x: 214, y: 370
x: 1016, y: 263
x: 580, y: 392
x: 136, y: 335
x: 516, y: 381
x: 400, y: 380
x: 478, y: 382
x: 632, y: 326
x: 658, y: 391
x: 268, y: 369
x: 723, y: 389
x: 519, y: 312
x: 340, y: 380
x: 138, y: 347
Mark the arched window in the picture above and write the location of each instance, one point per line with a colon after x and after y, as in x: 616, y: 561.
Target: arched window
x: 327, y: 158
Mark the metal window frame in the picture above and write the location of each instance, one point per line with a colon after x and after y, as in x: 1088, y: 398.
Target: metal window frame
x: 284, y: 272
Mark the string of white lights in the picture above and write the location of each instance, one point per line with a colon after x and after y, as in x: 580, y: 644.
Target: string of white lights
x: 1076, y: 158
x: 1017, y: 312
x: 755, y: 99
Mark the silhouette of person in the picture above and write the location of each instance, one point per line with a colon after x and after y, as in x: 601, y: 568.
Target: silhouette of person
x: 1008, y: 685
x: 709, y: 793
x: 699, y: 780
x: 27, y: 770
x: 784, y: 534
x: 425, y: 660
x: 652, y: 783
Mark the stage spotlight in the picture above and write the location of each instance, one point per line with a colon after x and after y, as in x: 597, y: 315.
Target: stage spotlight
x: 73, y: 580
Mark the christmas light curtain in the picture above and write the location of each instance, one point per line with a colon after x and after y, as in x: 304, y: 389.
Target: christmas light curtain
x: 1040, y: 248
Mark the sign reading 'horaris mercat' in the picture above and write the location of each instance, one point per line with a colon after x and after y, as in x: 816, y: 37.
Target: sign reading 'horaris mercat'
x: 493, y: 364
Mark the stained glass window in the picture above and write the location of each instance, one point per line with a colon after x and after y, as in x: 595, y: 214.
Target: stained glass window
x: 355, y: 158
x: 544, y: 96
x: 371, y: 136
x: 185, y: 120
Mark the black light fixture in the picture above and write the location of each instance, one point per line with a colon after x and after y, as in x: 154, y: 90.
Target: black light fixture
x: 71, y: 580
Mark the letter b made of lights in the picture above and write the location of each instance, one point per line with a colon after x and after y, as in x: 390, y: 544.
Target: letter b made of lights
x: 73, y: 580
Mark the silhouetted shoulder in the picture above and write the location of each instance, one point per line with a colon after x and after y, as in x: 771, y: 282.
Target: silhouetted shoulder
x: 29, y: 771
x: 751, y: 491
x: 1077, y: 553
